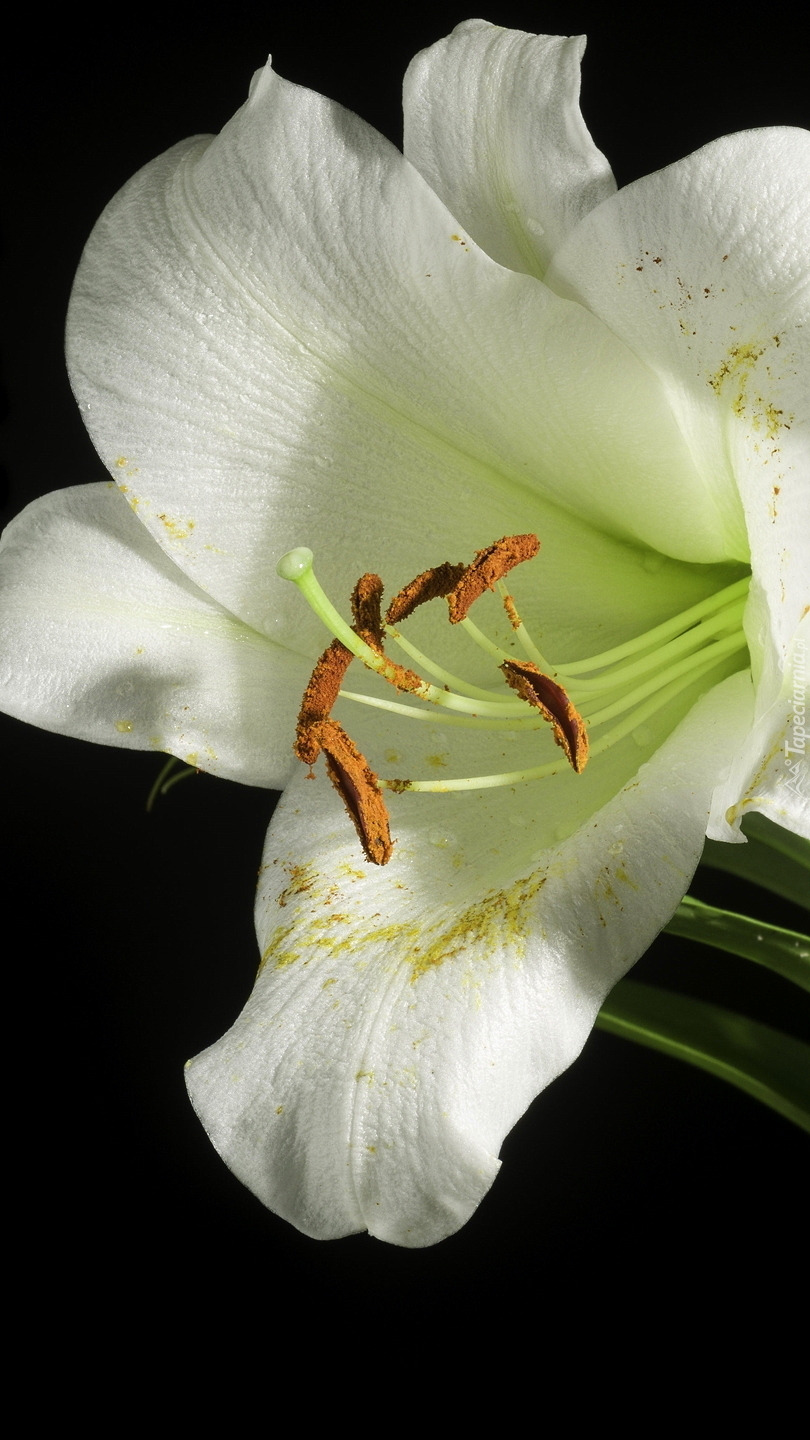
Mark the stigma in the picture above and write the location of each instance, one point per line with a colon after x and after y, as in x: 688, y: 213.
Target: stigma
x: 630, y: 681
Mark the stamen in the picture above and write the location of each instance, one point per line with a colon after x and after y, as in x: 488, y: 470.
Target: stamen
x: 296, y: 566
x: 488, y: 567
x: 552, y: 702
x: 540, y: 772
x: 438, y: 672
x: 676, y: 652
x: 428, y: 586
x: 359, y: 789
x: 319, y: 697
x: 366, y: 602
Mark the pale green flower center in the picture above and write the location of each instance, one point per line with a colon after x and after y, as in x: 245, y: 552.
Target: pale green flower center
x: 627, y: 683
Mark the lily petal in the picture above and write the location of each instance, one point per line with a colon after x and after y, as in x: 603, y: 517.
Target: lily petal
x: 769, y: 772
x: 492, y: 121
x: 704, y: 269
x: 399, y: 1027
x: 103, y: 638
x: 270, y: 327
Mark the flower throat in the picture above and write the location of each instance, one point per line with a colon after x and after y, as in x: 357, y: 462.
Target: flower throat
x: 568, y: 697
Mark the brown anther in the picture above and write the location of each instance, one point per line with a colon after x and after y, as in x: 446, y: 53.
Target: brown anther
x: 366, y: 598
x: 553, y: 703
x: 319, y: 697
x: 359, y: 790
x: 488, y: 567
x: 427, y: 586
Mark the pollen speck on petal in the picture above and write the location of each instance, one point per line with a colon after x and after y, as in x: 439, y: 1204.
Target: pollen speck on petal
x: 552, y: 701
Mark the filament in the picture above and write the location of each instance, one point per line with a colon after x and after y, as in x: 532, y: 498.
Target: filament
x: 678, y: 652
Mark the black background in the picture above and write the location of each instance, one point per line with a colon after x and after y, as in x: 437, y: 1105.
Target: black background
x: 634, y: 1179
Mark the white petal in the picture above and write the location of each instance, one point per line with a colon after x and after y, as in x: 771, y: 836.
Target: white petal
x: 770, y: 771
x: 492, y: 121
x: 105, y: 639
x: 283, y: 336
x: 404, y: 1018
x: 704, y: 269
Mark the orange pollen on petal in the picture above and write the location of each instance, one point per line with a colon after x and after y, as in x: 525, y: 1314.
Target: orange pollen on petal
x: 319, y: 697
x: 427, y: 586
x: 488, y: 567
x: 366, y: 602
x: 553, y: 703
x: 358, y: 788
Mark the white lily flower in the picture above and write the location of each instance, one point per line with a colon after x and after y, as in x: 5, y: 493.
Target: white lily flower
x: 291, y: 336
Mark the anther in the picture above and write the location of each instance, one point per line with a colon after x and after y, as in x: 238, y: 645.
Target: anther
x: 319, y: 697
x: 428, y: 586
x: 358, y: 788
x: 366, y: 602
x: 551, y: 700
x: 488, y: 567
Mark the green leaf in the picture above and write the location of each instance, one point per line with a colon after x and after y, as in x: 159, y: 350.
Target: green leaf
x: 773, y: 857
x: 785, y: 951
x: 772, y: 1067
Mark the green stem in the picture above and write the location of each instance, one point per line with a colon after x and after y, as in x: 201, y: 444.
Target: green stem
x: 785, y: 951
x: 772, y: 1067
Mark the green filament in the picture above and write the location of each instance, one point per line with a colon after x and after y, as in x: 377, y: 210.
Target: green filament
x: 514, y: 722
x: 439, y: 673
x: 661, y: 632
x: 540, y: 772
x: 296, y: 566
x: 677, y: 653
x: 522, y: 635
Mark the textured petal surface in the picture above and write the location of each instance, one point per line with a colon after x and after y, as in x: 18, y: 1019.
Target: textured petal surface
x: 283, y: 333
x: 770, y: 771
x: 103, y: 638
x: 404, y: 1018
x: 704, y: 269
x: 492, y: 121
